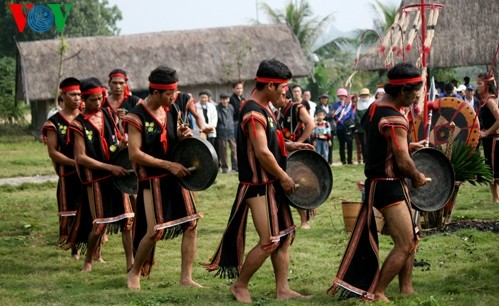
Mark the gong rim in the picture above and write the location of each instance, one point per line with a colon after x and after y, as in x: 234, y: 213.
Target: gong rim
x: 199, y: 153
x: 313, y: 174
x: 436, y: 193
x: 129, y: 183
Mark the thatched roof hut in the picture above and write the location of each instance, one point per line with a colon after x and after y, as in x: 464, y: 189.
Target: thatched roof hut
x: 204, y: 58
x: 465, y: 35
x: 201, y: 57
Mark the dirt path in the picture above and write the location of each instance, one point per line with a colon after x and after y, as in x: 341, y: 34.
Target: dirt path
x: 16, y: 181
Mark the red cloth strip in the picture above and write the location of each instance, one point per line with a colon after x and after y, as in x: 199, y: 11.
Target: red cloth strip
x: 93, y: 91
x: 171, y: 86
x: 70, y: 88
x: 118, y: 74
x: 405, y: 81
x: 268, y: 80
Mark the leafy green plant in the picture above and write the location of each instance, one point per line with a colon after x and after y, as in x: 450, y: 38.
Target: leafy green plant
x: 469, y: 165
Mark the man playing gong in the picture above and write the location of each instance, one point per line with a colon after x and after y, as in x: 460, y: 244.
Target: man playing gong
x: 164, y: 208
x: 261, y: 154
x: 387, y: 164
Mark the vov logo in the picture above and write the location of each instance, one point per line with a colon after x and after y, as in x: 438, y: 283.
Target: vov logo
x: 40, y: 18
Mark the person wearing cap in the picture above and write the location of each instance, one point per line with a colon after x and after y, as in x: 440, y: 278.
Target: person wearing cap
x: 460, y: 91
x: 261, y: 153
x: 225, y: 132
x: 388, y: 165
x: 96, y: 141
x: 344, y: 117
x: 60, y: 150
x: 380, y: 91
x: 329, y: 111
x: 164, y: 208
x: 470, y: 99
x: 489, y: 119
x: 363, y: 104
x: 208, y: 112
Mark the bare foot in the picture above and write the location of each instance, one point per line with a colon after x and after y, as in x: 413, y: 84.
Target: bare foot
x: 99, y: 259
x: 76, y: 256
x: 87, y: 267
x: 408, y: 291
x: 190, y: 283
x: 305, y: 225
x: 133, y: 281
x: 241, y: 294
x: 288, y: 294
x: 380, y: 297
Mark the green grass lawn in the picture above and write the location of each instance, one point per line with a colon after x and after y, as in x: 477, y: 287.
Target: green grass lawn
x: 464, y: 265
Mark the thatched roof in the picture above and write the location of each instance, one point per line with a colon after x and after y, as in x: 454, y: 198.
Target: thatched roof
x: 201, y: 57
x: 465, y: 35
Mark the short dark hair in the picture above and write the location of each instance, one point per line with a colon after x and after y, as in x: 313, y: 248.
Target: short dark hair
x: 272, y: 69
x: 88, y: 84
x: 69, y: 82
x: 162, y: 75
x: 402, y: 71
x: 120, y: 71
x: 234, y: 84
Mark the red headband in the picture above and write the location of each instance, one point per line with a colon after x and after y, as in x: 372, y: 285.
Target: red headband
x: 92, y: 91
x: 405, y: 81
x: 118, y: 74
x: 171, y: 86
x: 268, y: 80
x: 70, y: 88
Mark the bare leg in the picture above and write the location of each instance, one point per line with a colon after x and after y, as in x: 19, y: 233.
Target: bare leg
x: 280, y: 263
x: 256, y: 257
x: 126, y: 238
x: 405, y: 276
x: 400, y: 226
x: 146, y: 244
x: 303, y: 218
x: 93, y: 240
x: 494, y: 188
x: 188, y: 250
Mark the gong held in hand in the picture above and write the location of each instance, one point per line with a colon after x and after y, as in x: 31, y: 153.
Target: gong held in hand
x: 313, y: 179
x: 438, y: 169
x: 200, y: 159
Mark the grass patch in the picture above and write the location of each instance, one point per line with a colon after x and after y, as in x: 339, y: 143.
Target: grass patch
x: 463, y: 270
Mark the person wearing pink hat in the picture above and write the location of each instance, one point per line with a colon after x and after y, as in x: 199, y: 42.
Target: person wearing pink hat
x: 344, y: 117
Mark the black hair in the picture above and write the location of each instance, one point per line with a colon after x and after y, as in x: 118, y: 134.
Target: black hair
x: 88, y: 84
x: 234, y: 84
x: 491, y: 85
x: 162, y: 75
x: 69, y: 82
x: 296, y: 86
x: 272, y: 69
x: 60, y: 99
x: 117, y: 70
x: 449, y: 88
x: 402, y: 71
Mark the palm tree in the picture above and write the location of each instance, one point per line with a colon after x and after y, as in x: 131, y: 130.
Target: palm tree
x: 299, y: 17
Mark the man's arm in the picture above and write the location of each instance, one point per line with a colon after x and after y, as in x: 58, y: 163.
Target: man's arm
x: 404, y: 161
x: 141, y: 158
x: 258, y: 138
x: 54, y: 154
x: 307, y: 120
x: 83, y: 159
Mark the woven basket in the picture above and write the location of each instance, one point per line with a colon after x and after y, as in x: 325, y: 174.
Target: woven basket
x: 351, y: 211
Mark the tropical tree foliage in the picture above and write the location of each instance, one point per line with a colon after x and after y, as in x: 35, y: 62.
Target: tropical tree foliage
x: 299, y: 17
x: 86, y: 18
x: 10, y: 112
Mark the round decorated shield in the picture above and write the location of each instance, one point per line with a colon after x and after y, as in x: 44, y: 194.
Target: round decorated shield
x: 435, y: 166
x: 313, y: 178
x: 446, y: 111
x: 128, y: 183
x: 199, y: 156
